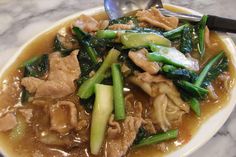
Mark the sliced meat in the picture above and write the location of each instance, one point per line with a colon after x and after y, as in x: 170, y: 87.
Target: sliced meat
x: 31, y: 83
x: 128, y: 26
x: 174, y: 113
x: 156, y: 85
x: 133, y: 107
x: 168, y: 105
x: 155, y: 18
x: 8, y: 122
x: 118, y: 146
x: 160, y: 105
x: 103, y: 24
x: 173, y: 95
x: 60, y: 81
x: 166, y: 112
x: 66, y: 39
x: 114, y: 128
x: 27, y: 113
x: 87, y: 23
x: 63, y: 116
x: 147, y: 82
x: 54, y: 89
x: 140, y: 59
x: 148, y: 125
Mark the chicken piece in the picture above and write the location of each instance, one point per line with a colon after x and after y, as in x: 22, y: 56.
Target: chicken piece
x: 63, y: 116
x: 128, y: 26
x: 140, y: 59
x: 87, y: 23
x: 8, y: 122
x: 27, y: 113
x: 119, y: 145
x: 155, y: 18
x: 60, y: 81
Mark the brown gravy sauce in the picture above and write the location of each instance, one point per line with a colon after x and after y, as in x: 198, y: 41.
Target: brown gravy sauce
x: 10, y: 97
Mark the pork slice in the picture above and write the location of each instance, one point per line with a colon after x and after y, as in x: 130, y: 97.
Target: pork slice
x: 87, y: 23
x: 60, y: 83
x: 64, y: 68
x: 119, y: 145
x: 155, y: 18
x: 128, y: 26
x: 63, y: 116
x: 114, y: 127
x: 140, y: 59
x: 8, y: 122
x: 31, y: 83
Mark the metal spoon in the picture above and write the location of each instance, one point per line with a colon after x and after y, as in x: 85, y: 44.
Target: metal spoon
x: 119, y: 8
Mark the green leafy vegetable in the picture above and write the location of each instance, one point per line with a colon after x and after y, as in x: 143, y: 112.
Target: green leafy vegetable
x: 177, y: 73
x: 207, y: 68
x: 194, y: 90
x: 195, y: 106
x: 107, y: 34
x: 103, y: 108
x: 175, y: 33
x: 215, y: 71
x: 87, y: 88
x: 37, y: 66
x: 161, y: 137
x: 201, y: 35
x: 88, y: 103
x: 170, y: 55
x: 142, y: 133
x: 136, y: 40
x: 186, y: 45
x: 124, y: 20
x: 65, y: 41
x: 119, y: 100
x: 84, y: 41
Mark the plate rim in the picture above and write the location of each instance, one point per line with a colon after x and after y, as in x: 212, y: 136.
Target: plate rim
x: 226, y: 111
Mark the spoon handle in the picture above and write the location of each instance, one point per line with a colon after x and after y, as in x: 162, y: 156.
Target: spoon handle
x: 221, y: 24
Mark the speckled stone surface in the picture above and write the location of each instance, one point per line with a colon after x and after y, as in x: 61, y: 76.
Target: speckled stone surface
x: 22, y: 19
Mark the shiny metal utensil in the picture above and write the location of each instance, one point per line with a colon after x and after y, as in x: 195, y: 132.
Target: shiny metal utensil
x: 119, y: 8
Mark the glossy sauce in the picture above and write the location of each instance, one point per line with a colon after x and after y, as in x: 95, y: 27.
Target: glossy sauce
x: 10, y: 92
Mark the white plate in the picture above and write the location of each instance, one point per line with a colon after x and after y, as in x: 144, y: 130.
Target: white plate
x: 206, y: 131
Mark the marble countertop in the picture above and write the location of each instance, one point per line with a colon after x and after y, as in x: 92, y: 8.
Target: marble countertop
x: 22, y: 19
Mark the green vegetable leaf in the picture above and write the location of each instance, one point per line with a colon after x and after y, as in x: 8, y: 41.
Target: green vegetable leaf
x: 201, y: 35
x: 215, y: 71
x: 186, y: 45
